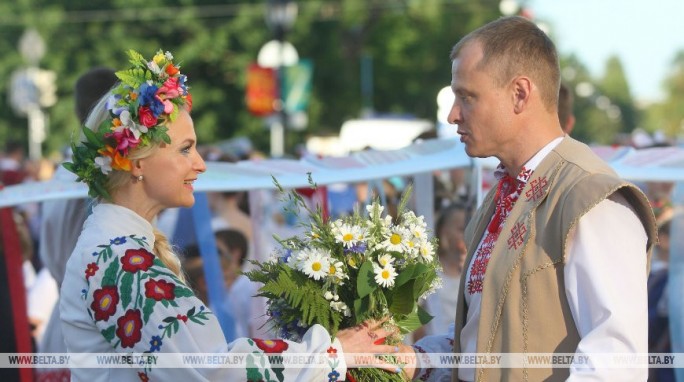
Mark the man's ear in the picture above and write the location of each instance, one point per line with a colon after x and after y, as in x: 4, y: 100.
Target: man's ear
x: 522, y: 90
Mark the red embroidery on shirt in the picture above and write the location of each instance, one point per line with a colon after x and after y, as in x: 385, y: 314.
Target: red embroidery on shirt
x: 507, y: 194
x: 517, y: 235
x: 536, y: 190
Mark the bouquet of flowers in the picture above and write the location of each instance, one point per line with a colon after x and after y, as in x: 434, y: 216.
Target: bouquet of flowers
x: 341, y: 272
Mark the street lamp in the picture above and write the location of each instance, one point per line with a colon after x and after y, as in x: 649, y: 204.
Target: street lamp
x: 32, y: 89
x: 280, y: 16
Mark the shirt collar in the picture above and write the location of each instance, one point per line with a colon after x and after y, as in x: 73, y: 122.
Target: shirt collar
x: 531, y: 164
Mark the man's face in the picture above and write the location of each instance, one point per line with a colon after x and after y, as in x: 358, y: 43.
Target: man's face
x: 481, y: 109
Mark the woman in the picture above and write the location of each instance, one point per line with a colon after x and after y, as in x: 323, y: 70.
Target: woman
x: 123, y: 290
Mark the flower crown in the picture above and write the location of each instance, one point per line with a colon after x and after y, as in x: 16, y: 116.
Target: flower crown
x: 148, y: 97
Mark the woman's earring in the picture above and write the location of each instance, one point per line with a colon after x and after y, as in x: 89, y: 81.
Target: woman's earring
x: 140, y: 178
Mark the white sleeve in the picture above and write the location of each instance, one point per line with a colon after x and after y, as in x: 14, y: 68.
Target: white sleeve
x: 605, y: 283
x: 436, y: 343
x: 138, y: 305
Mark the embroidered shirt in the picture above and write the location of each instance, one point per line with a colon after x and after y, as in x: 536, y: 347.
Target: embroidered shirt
x: 117, y: 296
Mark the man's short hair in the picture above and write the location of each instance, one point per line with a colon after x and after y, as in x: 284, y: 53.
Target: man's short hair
x: 514, y: 46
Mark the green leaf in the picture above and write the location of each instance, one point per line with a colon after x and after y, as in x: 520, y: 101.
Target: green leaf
x: 413, y: 321
x: 365, y: 283
x: 403, y: 299
x: 180, y: 291
x: 126, y: 289
x: 410, y: 272
x: 108, y: 333
x: 361, y: 308
x: 109, y: 278
x: 148, y: 308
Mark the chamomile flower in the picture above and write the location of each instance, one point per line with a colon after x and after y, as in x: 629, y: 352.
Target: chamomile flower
x: 336, y: 272
x: 347, y: 234
x: 384, y: 276
x: 396, y: 239
x: 412, y: 247
x: 418, y: 231
x: 427, y: 251
x: 316, y: 265
x: 385, y: 259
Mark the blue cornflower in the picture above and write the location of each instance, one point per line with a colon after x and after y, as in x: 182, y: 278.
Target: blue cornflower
x: 118, y: 240
x: 155, y: 343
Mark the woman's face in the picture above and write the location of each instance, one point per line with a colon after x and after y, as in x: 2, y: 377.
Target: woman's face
x: 169, y: 173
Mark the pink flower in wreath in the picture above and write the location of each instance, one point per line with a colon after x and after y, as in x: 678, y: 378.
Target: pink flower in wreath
x: 146, y: 116
x: 271, y: 346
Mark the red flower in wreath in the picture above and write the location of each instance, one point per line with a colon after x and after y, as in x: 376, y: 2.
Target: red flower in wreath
x: 160, y: 290
x: 90, y: 270
x: 104, y: 302
x: 128, y: 328
x: 137, y: 260
x: 271, y: 346
x: 143, y: 376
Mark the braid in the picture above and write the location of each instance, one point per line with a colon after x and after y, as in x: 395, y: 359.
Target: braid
x: 164, y: 250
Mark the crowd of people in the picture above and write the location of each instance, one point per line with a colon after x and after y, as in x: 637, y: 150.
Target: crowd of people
x: 523, y: 272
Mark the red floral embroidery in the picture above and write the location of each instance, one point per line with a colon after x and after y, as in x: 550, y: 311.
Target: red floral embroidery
x: 332, y: 352
x: 271, y: 346
x: 128, y: 328
x: 104, y: 302
x: 182, y: 317
x: 90, y: 270
x: 507, y: 193
x: 160, y: 290
x: 137, y: 260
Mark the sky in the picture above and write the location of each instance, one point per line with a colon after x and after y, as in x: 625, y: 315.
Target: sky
x: 645, y: 35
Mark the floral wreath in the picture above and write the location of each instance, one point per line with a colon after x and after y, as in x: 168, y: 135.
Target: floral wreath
x: 148, y: 97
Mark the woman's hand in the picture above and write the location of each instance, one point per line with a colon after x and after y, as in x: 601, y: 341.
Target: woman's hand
x: 367, y: 339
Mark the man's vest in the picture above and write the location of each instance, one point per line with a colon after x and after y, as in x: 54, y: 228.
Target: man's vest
x: 524, y: 308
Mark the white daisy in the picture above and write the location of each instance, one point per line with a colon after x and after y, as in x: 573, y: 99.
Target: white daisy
x: 427, y: 251
x: 396, y: 240
x: 385, y: 259
x: 384, y: 276
x: 412, y: 248
x: 336, y: 272
x: 347, y: 234
x: 418, y: 231
x: 315, y: 266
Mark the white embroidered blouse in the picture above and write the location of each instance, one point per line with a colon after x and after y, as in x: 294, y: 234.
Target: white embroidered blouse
x: 117, y: 297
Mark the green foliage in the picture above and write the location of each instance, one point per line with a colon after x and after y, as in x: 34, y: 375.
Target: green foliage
x: 407, y: 42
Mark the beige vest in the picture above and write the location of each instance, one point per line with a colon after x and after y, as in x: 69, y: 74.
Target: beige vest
x: 524, y: 309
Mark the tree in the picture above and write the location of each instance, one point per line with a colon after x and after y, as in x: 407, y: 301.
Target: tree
x: 668, y: 115
x: 408, y: 41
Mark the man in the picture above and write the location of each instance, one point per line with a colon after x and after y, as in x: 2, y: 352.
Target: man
x: 545, y: 237
x: 558, y: 252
